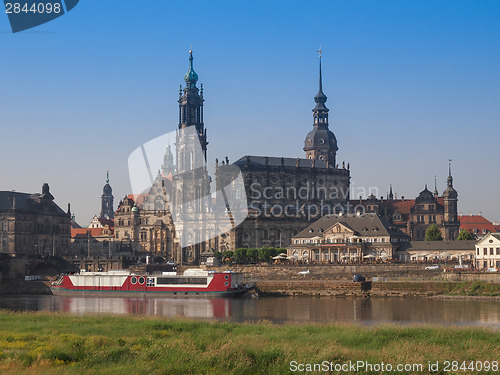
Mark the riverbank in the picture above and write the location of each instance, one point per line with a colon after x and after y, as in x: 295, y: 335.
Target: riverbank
x: 327, y: 288
x: 18, y: 287
x: 45, y: 343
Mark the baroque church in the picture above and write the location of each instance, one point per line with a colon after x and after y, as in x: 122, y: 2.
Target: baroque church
x: 180, y: 220
x: 284, y: 194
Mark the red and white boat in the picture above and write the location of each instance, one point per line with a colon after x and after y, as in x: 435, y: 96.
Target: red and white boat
x: 192, y: 283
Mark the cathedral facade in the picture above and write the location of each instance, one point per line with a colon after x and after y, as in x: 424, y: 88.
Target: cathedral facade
x: 285, y: 195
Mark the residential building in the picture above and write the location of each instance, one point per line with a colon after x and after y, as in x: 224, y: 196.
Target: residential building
x: 488, y: 251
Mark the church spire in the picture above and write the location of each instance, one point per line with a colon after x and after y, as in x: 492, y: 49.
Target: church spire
x: 321, y: 143
x: 191, y: 77
x: 450, y: 178
x: 320, y: 97
x: 320, y: 77
x: 450, y: 200
x: 191, y: 107
x: 107, y: 200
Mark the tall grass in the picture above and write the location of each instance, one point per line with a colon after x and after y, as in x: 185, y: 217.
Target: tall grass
x: 45, y: 343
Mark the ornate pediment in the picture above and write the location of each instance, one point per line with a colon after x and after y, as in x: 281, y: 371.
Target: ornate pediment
x: 339, y: 228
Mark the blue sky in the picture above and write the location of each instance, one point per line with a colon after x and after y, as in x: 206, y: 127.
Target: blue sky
x: 409, y: 84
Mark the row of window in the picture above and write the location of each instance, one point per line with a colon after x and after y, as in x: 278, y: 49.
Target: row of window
x: 339, y: 240
x: 421, y: 219
x: 142, y: 221
x: 486, y: 264
x: 430, y: 207
x: 491, y: 252
x: 40, y: 228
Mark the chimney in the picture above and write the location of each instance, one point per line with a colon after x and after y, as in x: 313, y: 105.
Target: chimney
x: 480, y: 213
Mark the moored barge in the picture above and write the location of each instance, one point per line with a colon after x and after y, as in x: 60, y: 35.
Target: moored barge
x: 193, y: 282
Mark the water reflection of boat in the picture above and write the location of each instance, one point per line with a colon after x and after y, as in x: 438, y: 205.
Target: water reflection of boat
x: 202, y: 308
x: 193, y: 282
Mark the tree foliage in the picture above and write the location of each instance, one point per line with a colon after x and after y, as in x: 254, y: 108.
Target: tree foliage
x: 253, y: 255
x: 465, y: 235
x: 240, y: 255
x: 433, y: 233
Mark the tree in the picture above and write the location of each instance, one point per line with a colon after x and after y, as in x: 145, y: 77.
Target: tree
x: 433, y: 233
x: 253, y: 255
x: 240, y: 255
x: 465, y: 235
x: 218, y: 255
x: 265, y: 254
x: 228, y: 256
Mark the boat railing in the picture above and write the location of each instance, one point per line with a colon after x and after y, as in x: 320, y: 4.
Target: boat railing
x: 59, y: 280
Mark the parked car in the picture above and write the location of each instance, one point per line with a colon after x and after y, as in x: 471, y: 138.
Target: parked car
x: 357, y: 278
x: 492, y: 270
x: 433, y: 267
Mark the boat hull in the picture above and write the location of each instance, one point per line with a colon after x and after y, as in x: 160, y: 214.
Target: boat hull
x: 145, y: 293
x: 213, y: 284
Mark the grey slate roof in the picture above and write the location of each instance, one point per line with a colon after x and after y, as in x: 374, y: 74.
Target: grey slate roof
x: 277, y: 162
x: 440, y: 246
x: 29, y: 203
x: 363, y: 225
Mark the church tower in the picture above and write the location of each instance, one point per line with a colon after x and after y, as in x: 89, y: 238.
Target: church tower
x: 168, y: 163
x: 191, y: 182
x: 107, y: 201
x: 191, y: 114
x: 450, y: 199
x: 321, y: 143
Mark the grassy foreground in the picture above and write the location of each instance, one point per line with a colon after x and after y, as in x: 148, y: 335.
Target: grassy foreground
x: 47, y: 343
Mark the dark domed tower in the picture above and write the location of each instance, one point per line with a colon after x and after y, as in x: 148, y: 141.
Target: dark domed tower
x: 191, y: 182
x: 450, y: 200
x: 321, y: 143
x: 107, y: 200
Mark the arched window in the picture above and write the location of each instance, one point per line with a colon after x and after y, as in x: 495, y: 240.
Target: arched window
x: 265, y: 234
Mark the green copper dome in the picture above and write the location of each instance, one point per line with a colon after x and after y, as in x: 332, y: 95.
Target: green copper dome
x: 191, y: 77
x: 135, y: 208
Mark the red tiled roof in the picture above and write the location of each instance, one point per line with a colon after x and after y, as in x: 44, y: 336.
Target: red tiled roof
x: 471, y: 222
x: 403, y: 206
x: 83, y: 232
